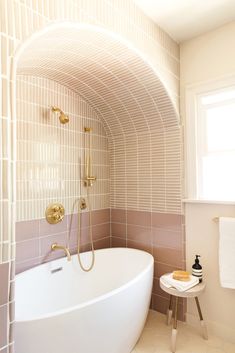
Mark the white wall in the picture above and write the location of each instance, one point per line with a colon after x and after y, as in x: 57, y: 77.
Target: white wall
x: 208, y: 56
x: 203, y: 59
x: 202, y: 237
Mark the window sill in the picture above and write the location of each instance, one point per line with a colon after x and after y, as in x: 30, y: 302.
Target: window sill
x: 219, y: 202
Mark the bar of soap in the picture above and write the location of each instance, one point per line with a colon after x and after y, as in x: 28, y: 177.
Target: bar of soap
x: 181, y: 276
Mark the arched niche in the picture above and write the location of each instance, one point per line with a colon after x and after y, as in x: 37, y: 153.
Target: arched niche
x: 132, y: 102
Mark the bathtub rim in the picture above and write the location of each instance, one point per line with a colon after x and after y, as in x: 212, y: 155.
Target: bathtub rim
x: 94, y: 300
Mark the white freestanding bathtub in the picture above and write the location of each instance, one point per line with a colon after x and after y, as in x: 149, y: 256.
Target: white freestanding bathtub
x: 61, y: 309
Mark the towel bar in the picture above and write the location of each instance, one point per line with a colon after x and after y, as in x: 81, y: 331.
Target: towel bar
x: 216, y: 219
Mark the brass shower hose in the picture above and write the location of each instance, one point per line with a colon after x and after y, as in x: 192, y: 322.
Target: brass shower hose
x: 90, y: 233
x: 77, y: 201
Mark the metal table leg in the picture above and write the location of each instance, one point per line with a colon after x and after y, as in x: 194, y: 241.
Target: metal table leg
x: 203, y: 325
x: 169, y: 312
x: 174, y: 328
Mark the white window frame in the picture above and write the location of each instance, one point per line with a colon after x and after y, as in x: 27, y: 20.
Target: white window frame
x: 192, y: 167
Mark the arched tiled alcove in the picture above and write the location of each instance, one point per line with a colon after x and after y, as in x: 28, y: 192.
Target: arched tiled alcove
x: 133, y: 104
x: 138, y: 126
x: 22, y: 20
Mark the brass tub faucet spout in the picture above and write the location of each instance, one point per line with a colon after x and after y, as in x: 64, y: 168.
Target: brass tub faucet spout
x: 55, y: 246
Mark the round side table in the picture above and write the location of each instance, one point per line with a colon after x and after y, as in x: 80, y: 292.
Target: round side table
x: 193, y: 292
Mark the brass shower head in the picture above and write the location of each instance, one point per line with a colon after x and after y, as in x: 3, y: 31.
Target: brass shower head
x: 63, y: 117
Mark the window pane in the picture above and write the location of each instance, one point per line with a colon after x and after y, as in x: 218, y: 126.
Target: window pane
x: 218, y: 97
x: 219, y: 177
x: 220, y: 126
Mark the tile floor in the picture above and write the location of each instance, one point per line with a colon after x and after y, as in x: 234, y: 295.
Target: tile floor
x: 156, y: 339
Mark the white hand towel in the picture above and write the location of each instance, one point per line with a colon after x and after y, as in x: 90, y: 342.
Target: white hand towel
x: 227, y: 252
x: 181, y: 286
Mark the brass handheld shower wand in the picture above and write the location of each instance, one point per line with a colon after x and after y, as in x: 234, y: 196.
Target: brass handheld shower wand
x: 88, y: 182
x: 88, y: 179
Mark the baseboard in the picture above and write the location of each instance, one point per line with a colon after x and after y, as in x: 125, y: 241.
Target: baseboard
x: 214, y: 328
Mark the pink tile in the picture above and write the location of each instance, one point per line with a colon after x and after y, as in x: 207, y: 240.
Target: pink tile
x: 167, y: 238
x: 184, y: 265
x: 85, y: 247
x: 83, y: 218
x: 12, y: 270
x: 4, y: 276
x: 46, y: 228
x: 184, y: 308
x: 157, y: 290
x: 141, y: 218
x: 100, y: 216
x: 12, y: 334
x: 12, y: 348
x: 181, y: 313
x: 139, y: 245
x: 118, y: 230
x: 72, y: 221
x: 27, y: 230
x: 12, y: 311
x: 46, y: 242
x: 98, y: 244
x: 118, y: 215
x: 161, y: 269
x: 161, y: 304
x: 27, y: 249
x: 26, y: 265
x: 4, y: 350
x: 52, y: 256
x: 167, y: 221
x: 85, y: 237
x: 102, y: 243
x: 168, y: 256
x: 85, y: 222
x: 73, y: 251
x: 184, y: 250
x: 101, y: 231
x: 138, y: 233
x: 3, y: 325
x: 73, y: 236
x: 12, y: 291
x: 118, y: 242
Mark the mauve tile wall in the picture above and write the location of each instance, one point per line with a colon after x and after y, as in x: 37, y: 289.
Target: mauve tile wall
x: 34, y: 238
x: 162, y: 235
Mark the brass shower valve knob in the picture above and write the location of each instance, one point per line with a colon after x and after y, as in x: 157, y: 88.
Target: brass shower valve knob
x: 83, y: 204
x: 57, y: 217
x: 54, y: 213
x: 57, y: 208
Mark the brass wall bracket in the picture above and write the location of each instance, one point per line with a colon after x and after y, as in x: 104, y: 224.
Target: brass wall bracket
x: 83, y: 204
x: 88, y: 181
x: 54, y: 213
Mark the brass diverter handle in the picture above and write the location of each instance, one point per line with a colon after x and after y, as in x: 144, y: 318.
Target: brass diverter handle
x: 54, y: 213
x: 88, y: 181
